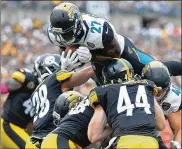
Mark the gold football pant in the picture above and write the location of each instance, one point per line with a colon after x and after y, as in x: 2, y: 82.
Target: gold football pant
x: 137, y: 142
x: 55, y: 141
x: 12, y: 136
x: 32, y: 143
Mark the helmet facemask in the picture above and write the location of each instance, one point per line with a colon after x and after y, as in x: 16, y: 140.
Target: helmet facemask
x: 46, y: 65
x: 68, y: 36
x: 117, y: 78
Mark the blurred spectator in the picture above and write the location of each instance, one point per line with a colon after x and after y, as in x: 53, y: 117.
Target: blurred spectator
x: 24, y: 41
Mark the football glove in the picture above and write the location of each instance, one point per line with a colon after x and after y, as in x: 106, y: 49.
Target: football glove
x: 69, y: 61
x: 84, y: 54
x: 175, y: 145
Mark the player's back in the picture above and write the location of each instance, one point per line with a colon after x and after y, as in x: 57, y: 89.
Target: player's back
x: 129, y: 107
x: 75, y: 124
x: 43, y: 100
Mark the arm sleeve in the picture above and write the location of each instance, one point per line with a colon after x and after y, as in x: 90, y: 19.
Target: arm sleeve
x: 19, y: 76
x: 62, y: 76
x: 93, y: 98
x: 174, y: 67
x: 97, y: 97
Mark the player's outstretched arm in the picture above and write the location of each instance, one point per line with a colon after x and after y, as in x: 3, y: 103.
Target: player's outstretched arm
x: 97, y: 129
x: 78, y: 78
x: 159, y: 116
x: 175, y: 123
x: 10, y: 85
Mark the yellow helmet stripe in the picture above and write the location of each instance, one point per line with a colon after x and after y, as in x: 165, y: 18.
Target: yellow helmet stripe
x: 62, y: 7
x: 127, y: 68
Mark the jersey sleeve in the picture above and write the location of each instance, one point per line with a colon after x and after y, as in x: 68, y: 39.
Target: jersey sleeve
x: 172, y: 102
x: 108, y: 34
x: 93, y: 99
x: 19, y: 76
x: 62, y: 76
x: 25, y: 76
x: 96, y: 97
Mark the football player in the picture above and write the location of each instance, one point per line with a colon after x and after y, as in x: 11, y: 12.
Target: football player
x: 18, y: 110
x: 97, y: 39
x: 71, y: 131
x: 169, y: 99
x: 54, y: 82
x: 128, y: 106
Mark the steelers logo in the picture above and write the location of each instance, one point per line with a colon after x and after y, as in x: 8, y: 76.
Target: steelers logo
x: 31, y: 85
x: 49, y: 60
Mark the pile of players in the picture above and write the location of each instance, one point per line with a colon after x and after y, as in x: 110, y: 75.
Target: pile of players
x: 128, y: 107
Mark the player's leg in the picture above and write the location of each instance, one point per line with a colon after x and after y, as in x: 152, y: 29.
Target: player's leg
x: 12, y: 136
x: 137, y: 141
x: 57, y: 141
x: 98, y: 73
x: 138, y: 59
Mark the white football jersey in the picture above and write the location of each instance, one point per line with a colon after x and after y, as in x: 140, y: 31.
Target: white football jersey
x: 93, y: 28
x: 172, y: 102
x: 93, y: 33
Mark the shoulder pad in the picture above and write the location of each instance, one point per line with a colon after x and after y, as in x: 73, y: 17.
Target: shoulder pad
x: 61, y: 75
x: 93, y: 99
x: 25, y: 70
x: 19, y: 76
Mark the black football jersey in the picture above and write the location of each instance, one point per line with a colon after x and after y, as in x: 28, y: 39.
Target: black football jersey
x: 129, y: 107
x: 43, y: 100
x: 18, y: 108
x: 75, y: 124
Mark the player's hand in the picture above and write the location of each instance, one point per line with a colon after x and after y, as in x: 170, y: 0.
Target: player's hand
x: 69, y: 61
x: 175, y: 145
x: 84, y: 54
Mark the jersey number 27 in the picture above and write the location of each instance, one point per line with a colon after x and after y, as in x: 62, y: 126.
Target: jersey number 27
x: 140, y: 101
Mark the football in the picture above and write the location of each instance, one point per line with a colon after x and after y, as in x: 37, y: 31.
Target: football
x: 72, y: 48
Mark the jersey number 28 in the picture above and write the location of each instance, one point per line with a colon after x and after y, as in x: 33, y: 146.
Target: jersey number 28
x: 140, y: 101
x: 40, y: 102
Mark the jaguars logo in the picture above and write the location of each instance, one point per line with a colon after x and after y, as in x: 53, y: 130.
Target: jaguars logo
x: 166, y: 106
x: 31, y: 85
x: 90, y: 44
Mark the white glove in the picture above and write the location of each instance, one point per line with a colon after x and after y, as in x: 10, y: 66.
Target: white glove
x: 84, y: 54
x: 69, y: 62
x: 175, y: 145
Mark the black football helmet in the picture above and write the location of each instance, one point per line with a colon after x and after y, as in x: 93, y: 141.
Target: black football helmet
x: 65, y: 22
x: 158, y: 73
x: 118, y: 70
x: 64, y: 103
x: 46, y: 64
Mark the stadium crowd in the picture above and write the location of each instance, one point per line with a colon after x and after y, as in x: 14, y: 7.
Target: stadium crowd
x: 166, y: 8
x: 22, y: 42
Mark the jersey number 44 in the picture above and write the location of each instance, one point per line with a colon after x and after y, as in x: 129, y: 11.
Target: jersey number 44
x: 140, y: 101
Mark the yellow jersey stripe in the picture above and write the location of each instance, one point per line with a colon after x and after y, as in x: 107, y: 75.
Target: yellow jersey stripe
x: 19, y: 76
